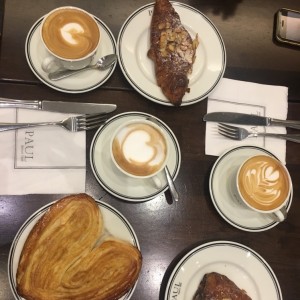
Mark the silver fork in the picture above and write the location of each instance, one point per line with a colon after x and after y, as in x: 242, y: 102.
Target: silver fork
x: 238, y: 133
x: 74, y: 124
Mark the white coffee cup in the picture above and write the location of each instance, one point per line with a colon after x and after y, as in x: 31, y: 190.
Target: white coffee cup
x: 263, y: 184
x: 71, y: 37
x: 139, y: 149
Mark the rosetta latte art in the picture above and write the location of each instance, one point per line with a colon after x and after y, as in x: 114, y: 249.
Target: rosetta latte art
x: 263, y: 182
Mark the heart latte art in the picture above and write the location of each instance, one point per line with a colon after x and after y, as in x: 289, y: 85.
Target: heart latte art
x: 263, y: 182
x: 139, y: 149
x: 70, y: 33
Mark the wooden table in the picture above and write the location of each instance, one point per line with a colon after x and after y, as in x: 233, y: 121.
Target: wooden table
x: 166, y: 230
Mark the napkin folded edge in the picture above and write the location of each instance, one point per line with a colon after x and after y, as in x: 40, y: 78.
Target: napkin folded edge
x: 249, y: 93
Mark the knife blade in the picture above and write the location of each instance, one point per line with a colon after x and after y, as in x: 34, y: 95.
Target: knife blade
x: 248, y: 119
x: 59, y: 106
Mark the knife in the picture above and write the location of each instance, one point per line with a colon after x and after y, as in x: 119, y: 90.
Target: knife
x: 247, y: 119
x: 59, y: 106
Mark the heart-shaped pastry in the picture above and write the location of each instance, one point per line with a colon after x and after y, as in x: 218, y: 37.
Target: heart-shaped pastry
x: 66, y: 257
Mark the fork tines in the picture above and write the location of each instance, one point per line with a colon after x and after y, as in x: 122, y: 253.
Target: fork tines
x: 227, y: 130
x: 91, y: 121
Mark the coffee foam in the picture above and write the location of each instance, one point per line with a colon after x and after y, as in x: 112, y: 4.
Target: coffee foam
x: 263, y: 183
x: 70, y: 33
x: 139, y: 149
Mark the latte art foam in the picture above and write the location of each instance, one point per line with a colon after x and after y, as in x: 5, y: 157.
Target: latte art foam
x: 263, y: 182
x: 139, y: 149
x: 70, y: 33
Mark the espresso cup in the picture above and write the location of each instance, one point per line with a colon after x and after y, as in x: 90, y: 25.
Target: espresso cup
x: 264, y: 185
x: 71, y: 37
x: 139, y: 149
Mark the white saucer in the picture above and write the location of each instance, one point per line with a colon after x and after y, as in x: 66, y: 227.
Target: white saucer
x: 134, y: 43
x: 247, y: 269
x: 115, y: 182
x: 83, y: 82
x: 115, y: 223
x: 221, y: 177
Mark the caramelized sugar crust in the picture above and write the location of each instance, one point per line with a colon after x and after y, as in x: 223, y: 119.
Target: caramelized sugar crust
x: 64, y: 258
x: 172, y: 50
x: 215, y: 286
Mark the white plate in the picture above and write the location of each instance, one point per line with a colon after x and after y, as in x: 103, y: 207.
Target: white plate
x: 221, y: 177
x: 114, y: 222
x: 83, y: 82
x: 134, y: 42
x: 115, y: 182
x: 247, y: 269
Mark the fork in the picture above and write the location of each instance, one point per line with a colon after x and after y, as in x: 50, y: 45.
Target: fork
x: 74, y: 124
x: 238, y: 133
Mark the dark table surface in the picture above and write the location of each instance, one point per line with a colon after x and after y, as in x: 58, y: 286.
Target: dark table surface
x: 166, y: 230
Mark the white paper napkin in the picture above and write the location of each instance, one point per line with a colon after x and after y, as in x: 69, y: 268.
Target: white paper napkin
x: 251, y: 98
x: 40, y: 160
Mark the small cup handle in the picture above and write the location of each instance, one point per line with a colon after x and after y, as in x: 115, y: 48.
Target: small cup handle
x: 51, y: 64
x: 157, y: 181
x: 280, y: 215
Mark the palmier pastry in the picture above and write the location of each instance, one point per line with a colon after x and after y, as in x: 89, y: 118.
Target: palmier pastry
x: 215, y: 286
x: 172, y: 50
x: 64, y: 256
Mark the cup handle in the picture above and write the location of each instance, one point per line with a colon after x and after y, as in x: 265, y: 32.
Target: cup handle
x: 157, y: 181
x: 280, y: 215
x: 51, y: 64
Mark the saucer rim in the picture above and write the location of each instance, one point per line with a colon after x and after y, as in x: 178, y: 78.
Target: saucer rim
x: 215, y: 202
x: 106, y: 186
x: 49, y: 83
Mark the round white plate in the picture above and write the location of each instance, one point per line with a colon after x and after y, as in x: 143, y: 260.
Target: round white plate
x: 247, y: 269
x: 134, y: 42
x: 115, y: 182
x: 221, y: 178
x: 115, y: 223
x: 80, y: 83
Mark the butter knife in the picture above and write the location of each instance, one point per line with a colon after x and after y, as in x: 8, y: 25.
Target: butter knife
x: 247, y: 119
x: 59, y: 106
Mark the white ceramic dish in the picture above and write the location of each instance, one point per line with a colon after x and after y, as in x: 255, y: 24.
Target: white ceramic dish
x: 114, y: 221
x: 117, y: 183
x: 83, y: 82
x: 221, y: 177
x: 134, y: 42
x: 246, y: 268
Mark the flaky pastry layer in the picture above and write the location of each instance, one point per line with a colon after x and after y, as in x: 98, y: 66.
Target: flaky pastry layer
x: 63, y: 259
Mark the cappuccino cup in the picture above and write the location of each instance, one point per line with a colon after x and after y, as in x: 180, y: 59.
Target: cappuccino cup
x: 139, y: 149
x: 71, y: 37
x: 264, y: 185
